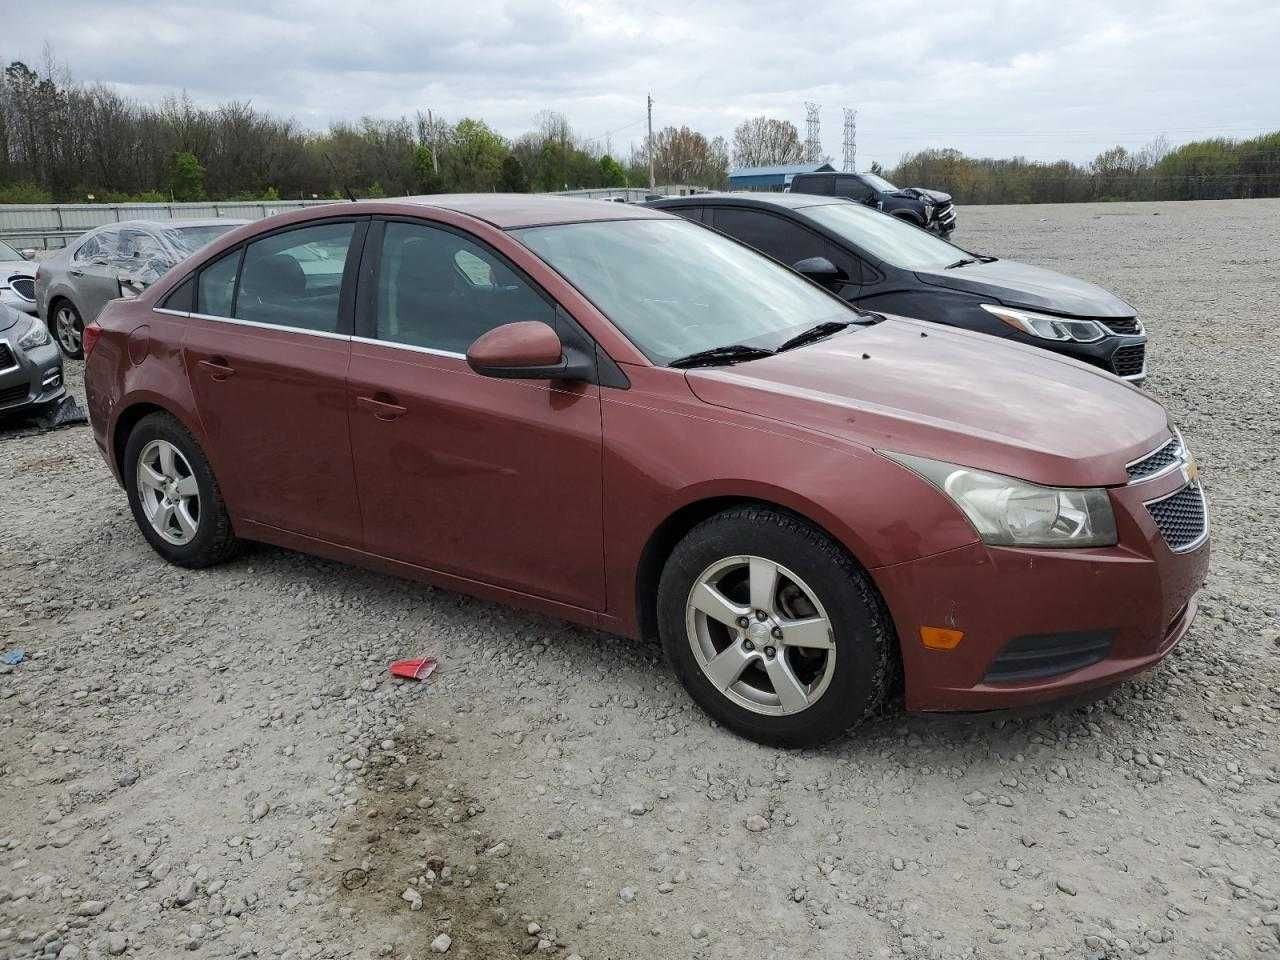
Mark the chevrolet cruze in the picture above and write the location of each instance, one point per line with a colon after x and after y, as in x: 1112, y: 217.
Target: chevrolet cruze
x: 612, y: 415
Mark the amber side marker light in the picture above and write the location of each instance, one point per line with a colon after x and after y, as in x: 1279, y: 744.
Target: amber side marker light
x: 940, y: 638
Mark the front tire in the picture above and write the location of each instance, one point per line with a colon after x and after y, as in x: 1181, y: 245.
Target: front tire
x: 68, y: 329
x: 774, y: 629
x: 174, y: 495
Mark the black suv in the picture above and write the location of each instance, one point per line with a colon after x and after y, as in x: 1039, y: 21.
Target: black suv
x: 924, y: 208
x: 881, y: 264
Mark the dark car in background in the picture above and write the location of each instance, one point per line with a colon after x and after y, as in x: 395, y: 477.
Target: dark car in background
x: 117, y: 260
x: 930, y: 209
x: 30, y: 365
x: 883, y: 265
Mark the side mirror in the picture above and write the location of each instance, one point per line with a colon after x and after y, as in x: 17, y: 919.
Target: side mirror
x: 528, y: 350
x: 29, y: 253
x: 818, y: 269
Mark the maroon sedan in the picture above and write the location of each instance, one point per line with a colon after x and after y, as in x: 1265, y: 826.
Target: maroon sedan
x: 612, y: 415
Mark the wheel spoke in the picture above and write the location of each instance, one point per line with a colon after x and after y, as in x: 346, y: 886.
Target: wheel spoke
x: 166, y: 461
x: 716, y: 605
x: 163, y: 516
x: 187, y: 487
x: 185, y: 522
x: 813, y: 633
x: 791, y: 692
x: 727, y: 665
x: 764, y: 584
x: 148, y: 476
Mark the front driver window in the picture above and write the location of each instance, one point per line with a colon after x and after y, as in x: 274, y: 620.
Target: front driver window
x: 294, y: 279
x: 439, y: 290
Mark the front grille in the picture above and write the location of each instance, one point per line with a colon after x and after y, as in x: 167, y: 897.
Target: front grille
x: 1129, y: 361
x: 1157, y: 462
x: 6, y: 357
x: 1181, y: 517
x: 1124, y: 325
x: 25, y: 287
x: 13, y: 394
x: 1044, y: 655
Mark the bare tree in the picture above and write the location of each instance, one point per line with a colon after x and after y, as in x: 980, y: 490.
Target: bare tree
x: 766, y: 142
x: 685, y: 156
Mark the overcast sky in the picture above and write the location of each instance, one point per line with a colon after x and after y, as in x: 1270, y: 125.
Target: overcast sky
x: 1044, y: 80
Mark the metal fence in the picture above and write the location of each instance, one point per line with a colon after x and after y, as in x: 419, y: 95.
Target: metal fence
x: 47, y: 226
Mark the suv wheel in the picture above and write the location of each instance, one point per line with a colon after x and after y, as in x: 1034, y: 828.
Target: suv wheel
x: 174, y: 496
x: 68, y: 329
x: 773, y: 628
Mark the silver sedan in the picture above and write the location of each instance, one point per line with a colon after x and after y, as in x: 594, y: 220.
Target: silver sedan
x: 118, y: 260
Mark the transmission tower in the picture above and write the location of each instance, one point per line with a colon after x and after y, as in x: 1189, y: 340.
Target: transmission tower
x: 850, y: 140
x: 813, y: 139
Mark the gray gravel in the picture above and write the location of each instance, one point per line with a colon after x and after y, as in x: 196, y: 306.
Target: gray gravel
x: 216, y: 762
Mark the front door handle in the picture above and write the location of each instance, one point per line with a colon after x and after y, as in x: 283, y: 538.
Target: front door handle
x: 382, y: 406
x: 76, y: 273
x: 218, y: 368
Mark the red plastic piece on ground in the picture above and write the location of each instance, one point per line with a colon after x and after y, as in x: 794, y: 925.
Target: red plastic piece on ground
x: 414, y: 669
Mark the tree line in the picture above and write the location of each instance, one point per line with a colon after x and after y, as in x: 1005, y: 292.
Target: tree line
x: 63, y: 141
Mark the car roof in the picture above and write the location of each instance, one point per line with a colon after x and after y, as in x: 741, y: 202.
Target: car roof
x: 158, y: 225
x: 509, y: 211
x: 750, y: 198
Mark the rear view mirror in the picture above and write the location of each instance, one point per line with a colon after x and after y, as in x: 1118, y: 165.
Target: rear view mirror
x: 819, y: 269
x: 528, y: 350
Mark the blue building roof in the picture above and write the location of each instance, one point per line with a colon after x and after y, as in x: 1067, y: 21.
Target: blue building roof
x: 787, y: 170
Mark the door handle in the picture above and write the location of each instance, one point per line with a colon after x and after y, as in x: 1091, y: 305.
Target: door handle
x: 383, y: 409
x: 218, y: 368
x: 76, y: 273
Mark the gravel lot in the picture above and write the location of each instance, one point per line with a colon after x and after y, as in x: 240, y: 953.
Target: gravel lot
x: 217, y: 762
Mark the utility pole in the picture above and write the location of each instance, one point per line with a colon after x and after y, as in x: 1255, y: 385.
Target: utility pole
x: 652, y: 182
x: 431, y: 126
x: 813, y: 139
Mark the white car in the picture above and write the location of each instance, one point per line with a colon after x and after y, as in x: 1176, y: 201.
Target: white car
x: 17, y: 280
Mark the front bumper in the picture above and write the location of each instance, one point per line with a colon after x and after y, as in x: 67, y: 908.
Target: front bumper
x: 1123, y: 355
x: 1041, y: 624
x: 11, y: 298
x: 29, y: 378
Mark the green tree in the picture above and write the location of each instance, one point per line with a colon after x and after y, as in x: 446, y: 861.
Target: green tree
x: 186, y: 177
x: 513, y: 179
x: 475, y: 155
x: 424, y: 171
x: 611, y: 172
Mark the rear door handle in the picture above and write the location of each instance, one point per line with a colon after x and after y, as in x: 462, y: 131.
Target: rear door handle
x: 218, y: 368
x: 383, y: 406
x: 76, y: 273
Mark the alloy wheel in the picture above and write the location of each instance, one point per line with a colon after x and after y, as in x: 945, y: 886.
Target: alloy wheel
x: 760, y: 635
x: 169, y: 492
x: 66, y: 329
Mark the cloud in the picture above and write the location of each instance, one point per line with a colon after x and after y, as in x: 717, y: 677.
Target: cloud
x: 1043, y: 80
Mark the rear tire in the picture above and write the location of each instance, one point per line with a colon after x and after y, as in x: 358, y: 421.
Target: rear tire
x: 797, y: 646
x: 67, y: 328
x: 174, y: 495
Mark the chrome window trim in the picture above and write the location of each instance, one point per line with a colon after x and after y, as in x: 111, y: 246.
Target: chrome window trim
x: 430, y: 351
x: 172, y: 313
x: 1178, y: 464
x: 1204, y: 505
x: 261, y: 326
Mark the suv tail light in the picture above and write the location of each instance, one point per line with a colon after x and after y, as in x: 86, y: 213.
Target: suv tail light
x: 89, y: 339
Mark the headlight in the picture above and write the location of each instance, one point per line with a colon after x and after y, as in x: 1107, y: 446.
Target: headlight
x: 1010, y: 512
x: 1046, y: 327
x: 37, y: 336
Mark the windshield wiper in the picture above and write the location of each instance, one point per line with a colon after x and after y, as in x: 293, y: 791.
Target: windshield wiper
x: 962, y: 262
x: 733, y: 353
x: 816, y: 332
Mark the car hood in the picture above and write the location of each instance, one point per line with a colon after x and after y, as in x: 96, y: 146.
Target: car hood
x: 1035, y: 288
x: 920, y: 193
x: 10, y: 267
x: 913, y: 387
x: 10, y: 316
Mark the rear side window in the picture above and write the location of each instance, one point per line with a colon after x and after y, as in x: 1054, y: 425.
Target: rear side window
x: 294, y: 279
x: 182, y: 297
x: 217, y: 286
x: 437, y: 289
x: 689, y: 213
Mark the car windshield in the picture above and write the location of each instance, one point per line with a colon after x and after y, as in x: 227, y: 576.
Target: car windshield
x: 886, y: 238
x: 879, y: 183
x: 675, y: 288
x: 191, y: 239
x: 8, y: 253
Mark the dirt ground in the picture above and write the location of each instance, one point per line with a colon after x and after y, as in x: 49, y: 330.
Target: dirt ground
x: 217, y: 761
